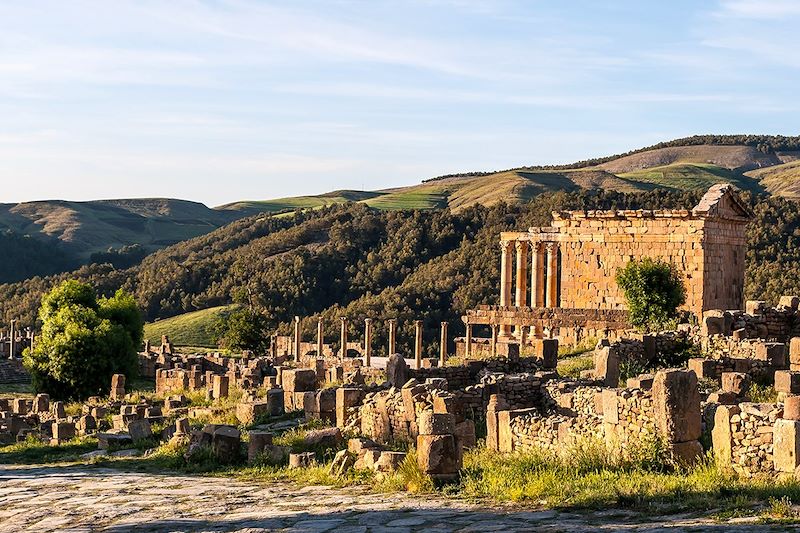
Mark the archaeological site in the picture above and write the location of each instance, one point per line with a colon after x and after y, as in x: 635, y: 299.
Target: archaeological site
x: 719, y: 390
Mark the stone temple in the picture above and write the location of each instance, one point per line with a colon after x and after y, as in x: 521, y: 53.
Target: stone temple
x: 560, y: 279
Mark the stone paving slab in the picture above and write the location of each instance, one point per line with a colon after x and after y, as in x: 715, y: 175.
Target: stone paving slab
x: 88, y: 499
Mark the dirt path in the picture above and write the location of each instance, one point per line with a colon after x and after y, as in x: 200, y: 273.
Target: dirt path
x: 51, y: 498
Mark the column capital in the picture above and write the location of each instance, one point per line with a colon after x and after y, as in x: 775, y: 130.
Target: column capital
x: 368, y: 321
x: 535, y: 245
x: 343, y: 319
x: 505, y: 246
x: 552, y: 247
x: 418, y: 323
x: 391, y: 321
x: 296, y: 318
x: 521, y: 246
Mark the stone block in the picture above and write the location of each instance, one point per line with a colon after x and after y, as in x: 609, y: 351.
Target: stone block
x: 258, y: 442
x: 359, y: 445
x: 389, y: 461
x: 226, y: 443
x: 346, y: 398
x: 397, y: 371
x: 496, y: 405
x: 755, y: 307
x: 676, y: 405
x: 41, y: 403
x: 735, y: 382
x: 140, y: 429
x: 791, y: 408
x: 703, y: 368
x: 436, y: 423
x: 787, y: 381
x: 794, y: 351
x: 327, y: 438
x: 367, y: 459
x: 610, y: 406
x: 219, y: 386
x: 19, y: 406
x: 547, y: 351
x: 302, y: 460
x: 789, y: 302
x: 644, y: 382
x: 86, y: 424
x: 437, y: 456
x: 118, y: 440
x: 299, y: 380
x: 63, y: 431
x: 786, y: 445
x: 724, y: 398
x: 248, y: 412
x: 465, y: 434
x: 772, y: 352
x: 606, y: 366
x: 275, y: 402
x: 721, y: 436
x: 686, y: 453
x: 449, y: 404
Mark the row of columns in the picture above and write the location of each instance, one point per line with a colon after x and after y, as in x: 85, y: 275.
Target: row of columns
x: 343, y: 334
x: 543, y: 275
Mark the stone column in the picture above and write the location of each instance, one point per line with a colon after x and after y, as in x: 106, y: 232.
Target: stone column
x: 320, y: 337
x: 367, y: 342
x: 468, y: 343
x: 392, y: 337
x: 443, y: 345
x: 418, y: 344
x: 494, y: 339
x: 521, y: 291
x: 343, y: 338
x: 297, y: 338
x: 537, y: 274
x: 505, y: 279
x: 552, y: 275
x: 11, y: 341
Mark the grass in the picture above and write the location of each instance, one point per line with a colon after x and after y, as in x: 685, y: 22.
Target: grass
x: 301, y: 202
x: 33, y: 451
x: 189, y: 329
x: 573, y: 366
x: 16, y: 390
x: 783, y: 180
x: 689, y: 176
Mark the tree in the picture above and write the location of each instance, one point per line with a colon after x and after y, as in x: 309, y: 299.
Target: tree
x: 84, y: 341
x: 653, y: 290
x: 244, y: 329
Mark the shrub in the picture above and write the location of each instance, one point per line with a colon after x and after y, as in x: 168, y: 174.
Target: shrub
x: 653, y: 290
x: 84, y: 341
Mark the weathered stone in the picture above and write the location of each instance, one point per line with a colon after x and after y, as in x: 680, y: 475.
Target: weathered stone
x: 437, y: 456
x: 299, y: 380
x: 219, y: 387
x: 63, y: 431
x: 786, y: 445
x: 787, y: 381
x: 465, y: 434
x: 789, y: 302
x: 226, y: 444
x: 302, y: 460
x: 396, y: 370
x: 606, y: 366
x: 721, y: 436
x: 257, y: 443
x: 389, y: 461
x: 107, y: 440
x: 248, y: 412
x: 676, y: 405
x: 360, y: 444
x: 610, y: 406
x: 686, y: 453
x: 436, y: 424
x: 703, y: 368
x: 735, y: 382
x: 41, y: 403
x: 791, y: 407
x: 140, y: 429
x: 342, y: 462
x: 644, y: 382
x: 328, y: 437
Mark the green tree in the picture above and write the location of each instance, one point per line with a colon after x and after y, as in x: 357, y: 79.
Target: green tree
x: 84, y: 341
x: 244, y: 329
x: 653, y: 290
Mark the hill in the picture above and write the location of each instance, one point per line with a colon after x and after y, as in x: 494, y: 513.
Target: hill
x: 188, y: 329
x: 76, y: 231
x: 351, y: 260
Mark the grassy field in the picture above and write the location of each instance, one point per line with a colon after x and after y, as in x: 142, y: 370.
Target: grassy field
x: 300, y: 202
x: 189, y: 329
x: 783, y: 180
x: 689, y: 177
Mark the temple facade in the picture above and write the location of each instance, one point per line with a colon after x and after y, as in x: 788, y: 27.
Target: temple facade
x: 569, y: 267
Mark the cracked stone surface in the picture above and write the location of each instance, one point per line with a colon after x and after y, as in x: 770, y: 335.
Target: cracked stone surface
x: 87, y: 499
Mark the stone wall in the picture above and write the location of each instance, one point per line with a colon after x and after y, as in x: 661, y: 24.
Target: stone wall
x: 12, y: 371
x: 743, y: 436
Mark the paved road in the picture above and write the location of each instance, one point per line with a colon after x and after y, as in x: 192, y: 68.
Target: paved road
x: 87, y: 499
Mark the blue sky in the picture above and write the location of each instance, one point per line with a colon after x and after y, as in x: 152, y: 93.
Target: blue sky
x: 217, y: 101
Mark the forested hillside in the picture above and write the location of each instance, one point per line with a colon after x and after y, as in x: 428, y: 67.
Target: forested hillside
x: 354, y: 260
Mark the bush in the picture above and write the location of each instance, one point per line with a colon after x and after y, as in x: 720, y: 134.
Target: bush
x: 84, y: 341
x: 653, y: 290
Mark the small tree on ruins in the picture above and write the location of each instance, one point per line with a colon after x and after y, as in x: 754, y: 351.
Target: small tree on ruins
x: 653, y: 290
x: 84, y: 341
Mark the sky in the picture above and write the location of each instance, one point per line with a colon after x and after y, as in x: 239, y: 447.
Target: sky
x: 219, y: 101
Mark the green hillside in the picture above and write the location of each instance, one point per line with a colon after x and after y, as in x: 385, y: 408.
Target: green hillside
x: 782, y: 180
x: 188, y: 329
x: 689, y: 177
x: 298, y: 202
